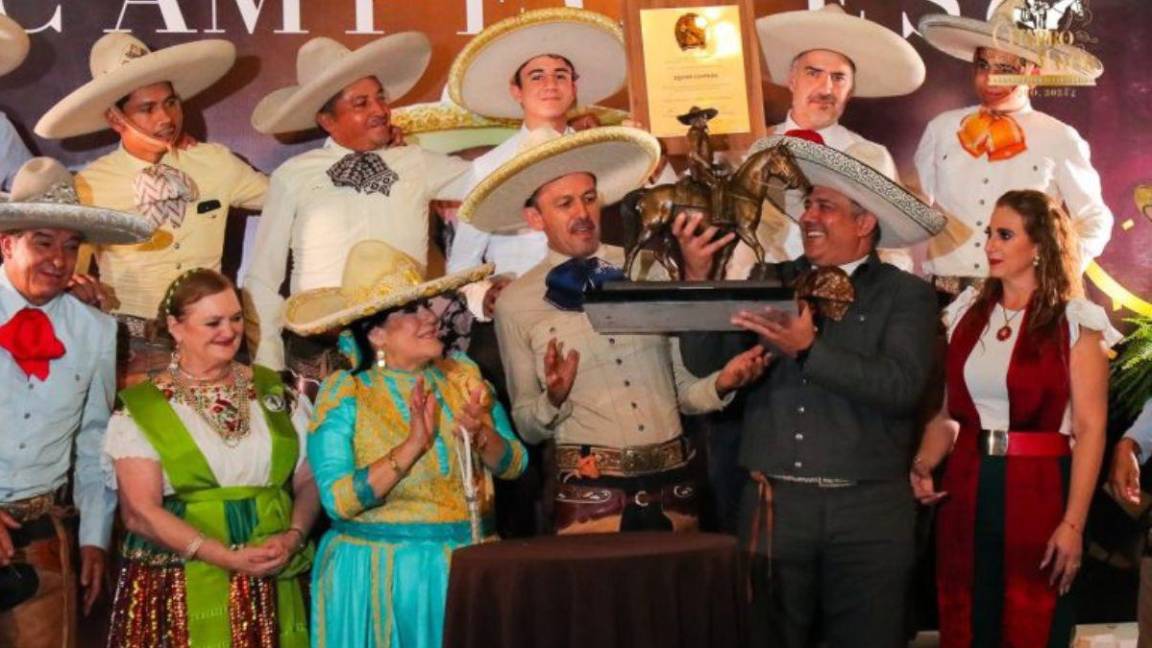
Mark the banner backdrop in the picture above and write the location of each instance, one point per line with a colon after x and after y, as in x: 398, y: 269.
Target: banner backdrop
x: 1115, y: 116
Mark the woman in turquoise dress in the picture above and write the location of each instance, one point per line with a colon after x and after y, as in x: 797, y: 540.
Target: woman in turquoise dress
x: 386, y: 445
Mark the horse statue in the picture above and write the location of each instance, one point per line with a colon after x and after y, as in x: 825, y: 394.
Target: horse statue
x: 648, y: 213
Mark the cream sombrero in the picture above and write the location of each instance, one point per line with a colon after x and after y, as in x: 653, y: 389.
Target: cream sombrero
x: 886, y: 64
x: 376, y: 277
x: 14, y: 45
x: 324, y: 67
x: 44, y: 196
x: 620, y: 157
x: 865, y: 174
x: 481, y: 73
x: 120, y: 64
x: 960, y: 37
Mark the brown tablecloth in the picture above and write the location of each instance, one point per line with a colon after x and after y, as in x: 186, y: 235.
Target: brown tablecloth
x: 628, y: 590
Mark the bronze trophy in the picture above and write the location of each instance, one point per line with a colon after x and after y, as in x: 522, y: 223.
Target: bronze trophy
x: 731, y: 201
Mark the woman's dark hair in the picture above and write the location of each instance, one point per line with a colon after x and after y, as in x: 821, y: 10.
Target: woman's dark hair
x: 455, y: 322
x: 187, y: 289
x: 366, y: 355
x: 1058, y: 257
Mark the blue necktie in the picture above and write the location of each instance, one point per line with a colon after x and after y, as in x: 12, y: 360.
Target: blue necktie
x: 567, y: 282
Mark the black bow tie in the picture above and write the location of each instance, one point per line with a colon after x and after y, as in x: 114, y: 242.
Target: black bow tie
x: 364, y: 172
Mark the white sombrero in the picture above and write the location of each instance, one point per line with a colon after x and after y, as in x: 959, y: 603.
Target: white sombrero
x: 886, y: 64
x: 120, y: 64
x: 376, y: 277
x: 865, y: 174
x: 324, y: 67
x: 621, y: 159
x: 594, y: 44
x: 960, y: 37
x: 14, y: 45
x: 44, y: 197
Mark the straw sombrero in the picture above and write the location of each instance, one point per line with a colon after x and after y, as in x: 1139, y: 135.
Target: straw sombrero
x: 121, y: 64
x: 324, y: 67
x: 620, y: 157
x: 376, y: 277
x: 960, y: 37
x: 886, y: 64
x: 481, y: 73
x: 14, y: 45
x: 44, y: 197
x: 864, y: 173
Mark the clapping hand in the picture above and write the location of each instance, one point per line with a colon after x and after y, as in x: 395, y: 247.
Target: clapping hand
x: 423, y: 412
x: 743, y: 369
x: 559, y: 371
x: 475, y: 420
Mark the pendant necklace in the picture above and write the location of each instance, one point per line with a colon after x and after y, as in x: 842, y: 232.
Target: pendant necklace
x: 1005, y: 332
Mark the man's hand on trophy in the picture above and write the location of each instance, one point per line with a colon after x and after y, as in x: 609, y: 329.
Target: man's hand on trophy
x: 559, y: 371
x: 697, y: 247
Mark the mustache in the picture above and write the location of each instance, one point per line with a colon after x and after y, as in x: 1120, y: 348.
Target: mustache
x: 378, y: 121
x: 822, y: 98
x: 582, y: 225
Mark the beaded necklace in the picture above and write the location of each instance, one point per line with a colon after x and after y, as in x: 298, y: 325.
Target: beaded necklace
x: 223, y: 406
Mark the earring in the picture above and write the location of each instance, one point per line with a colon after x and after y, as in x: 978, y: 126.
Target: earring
x: 1036, y: 261
x: 174, y: 361
x: 381, y: 359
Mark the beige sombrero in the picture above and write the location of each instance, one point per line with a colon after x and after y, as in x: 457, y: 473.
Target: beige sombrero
x: 960, y: 37
x: 621, y: 158
x: 866, y: 174
x: 120, y: 64
x: 886, y: 64
x: 376, y: 277
x: 324, y: 67
x: 14, y: 45
x: 481, y: 73
x: 44, y: 197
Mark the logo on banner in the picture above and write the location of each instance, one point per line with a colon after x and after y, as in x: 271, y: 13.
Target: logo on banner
x: 1053, y: 29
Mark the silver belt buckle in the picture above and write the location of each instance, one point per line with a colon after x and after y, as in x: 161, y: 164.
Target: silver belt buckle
x: 995, y: 442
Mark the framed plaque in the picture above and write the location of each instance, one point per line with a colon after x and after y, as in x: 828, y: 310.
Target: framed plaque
x: 685, y: 53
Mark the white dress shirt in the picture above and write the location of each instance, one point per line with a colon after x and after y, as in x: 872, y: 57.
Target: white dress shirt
x: 319, y: 223
x: 966, y: 188
x: 42, y: 423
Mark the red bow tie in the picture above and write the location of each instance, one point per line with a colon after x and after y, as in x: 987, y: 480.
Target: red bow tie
x: 805, y: 133
x: 29, y: 337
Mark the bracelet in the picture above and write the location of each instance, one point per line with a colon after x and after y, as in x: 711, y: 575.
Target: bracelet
x: 300, y: 532
x: 1072, y: 525
x: 194, y: 546
x: 391, y: 459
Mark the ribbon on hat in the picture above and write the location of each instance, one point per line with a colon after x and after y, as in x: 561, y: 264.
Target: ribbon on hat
x: 365, y: 172
x: 829, y: 290
x: 993, y: 133
x: 567, y: 282
x: 32, y: 341
x: 163, y: 193
x: 805, y: 133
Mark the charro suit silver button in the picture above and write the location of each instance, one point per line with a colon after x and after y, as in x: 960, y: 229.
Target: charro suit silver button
x: 799, y: 464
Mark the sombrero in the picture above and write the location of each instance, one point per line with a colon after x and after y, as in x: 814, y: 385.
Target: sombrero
x: 14, y: 45
x: 481, y: 73
x: 960, y: 37
x: 44, y: 197
x: 621, y: 159
x: 886, y: 64
x: 121, y: 64
x: 864, y: 174
x: 376, y: 277
x: 324, y: 67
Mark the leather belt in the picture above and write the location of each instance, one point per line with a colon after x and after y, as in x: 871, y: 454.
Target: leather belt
x: 1005, y: 443
x: 30, y: 508
x: 818, y: 482
x: 624, y: 462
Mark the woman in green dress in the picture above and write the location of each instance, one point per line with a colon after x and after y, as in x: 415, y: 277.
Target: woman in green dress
x: 214, y: 489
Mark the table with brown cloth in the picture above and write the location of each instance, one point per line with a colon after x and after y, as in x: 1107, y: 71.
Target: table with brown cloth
x: 627, y: 590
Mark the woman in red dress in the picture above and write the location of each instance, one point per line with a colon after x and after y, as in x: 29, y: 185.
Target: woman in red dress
x: 1023, y: 426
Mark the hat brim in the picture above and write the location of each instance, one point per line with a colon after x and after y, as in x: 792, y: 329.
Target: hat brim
x: 397, y: 61
x: 886, y: 64
x: 14, y: 45
x: 960, y: 37
x: 481, y: 73
x: 190, y: 68
x: 97, y: 225
x: 904, y: 219
x: 621, y: 159
x: 321, y: 310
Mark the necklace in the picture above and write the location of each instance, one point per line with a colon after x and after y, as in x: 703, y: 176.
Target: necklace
x: 223, y: 406
x: 1005, y: 332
